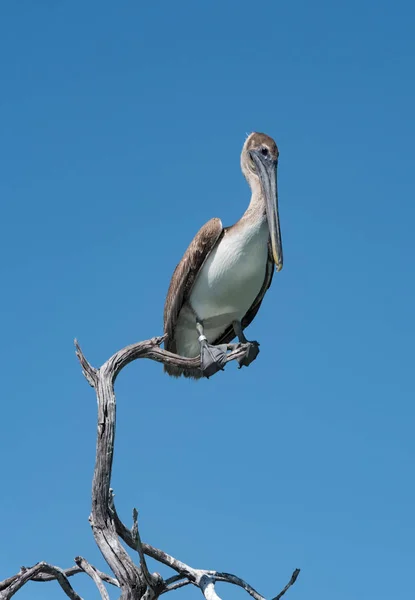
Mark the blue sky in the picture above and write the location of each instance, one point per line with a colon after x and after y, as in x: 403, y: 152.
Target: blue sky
x: 122, y: 125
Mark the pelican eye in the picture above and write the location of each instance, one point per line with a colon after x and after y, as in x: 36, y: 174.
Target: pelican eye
x: 264, y: 151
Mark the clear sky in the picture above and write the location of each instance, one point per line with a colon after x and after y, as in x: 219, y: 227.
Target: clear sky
x: 121, y: 129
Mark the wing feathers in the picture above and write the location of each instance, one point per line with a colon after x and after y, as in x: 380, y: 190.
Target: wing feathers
x: 185, y: 275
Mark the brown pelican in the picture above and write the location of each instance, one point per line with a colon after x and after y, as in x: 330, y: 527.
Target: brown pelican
x: 218, y: 286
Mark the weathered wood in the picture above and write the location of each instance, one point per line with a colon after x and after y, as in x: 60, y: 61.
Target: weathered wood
x: 42, y: 576
x: 92, y: 572
x: 149, y: 349
x: 126, y: 572
x: 26, y: 575
x: 135, y: 582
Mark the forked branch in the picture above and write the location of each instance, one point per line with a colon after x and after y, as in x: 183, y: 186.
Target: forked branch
x: 146, y: 349
x: 103, y: 382
x: 135, y: 582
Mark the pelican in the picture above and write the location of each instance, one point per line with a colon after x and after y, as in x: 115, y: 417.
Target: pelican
x: 218, y: 286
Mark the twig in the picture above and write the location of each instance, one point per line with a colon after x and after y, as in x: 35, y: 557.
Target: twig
x: 176, y: 586
x: 90, y: 570
x: 88, y: 371
x: 289, y: 584
x: 155, y: 581
x: 173, y: 579
x: 159, y: 555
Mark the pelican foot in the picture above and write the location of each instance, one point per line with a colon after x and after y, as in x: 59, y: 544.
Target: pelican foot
x: 212, y: 358
x: 251, y: 353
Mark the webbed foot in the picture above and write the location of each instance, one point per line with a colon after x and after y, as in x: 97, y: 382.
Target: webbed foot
x: 212, y: 358
x: 252, y: 352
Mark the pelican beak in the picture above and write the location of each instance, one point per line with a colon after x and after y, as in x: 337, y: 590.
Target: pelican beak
x: 266, y: 168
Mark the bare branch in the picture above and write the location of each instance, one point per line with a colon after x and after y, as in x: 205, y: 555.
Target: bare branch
x: 159, y: 555
x: 176, y: 586
x: 104, y: 519
x: 103, y: 576
x: 229, y: 578
x: 289, y: 584
x: 26, y: 575
x: 89, y: 372
x: 101, y: 519
x: 155, y: 581
x: 90, y: 570
x: 6, y: 582
x: 135, y: 583
x: 147, y: 349
x: 43, y: 576
x: 173, y: 579
x: 192, y: 575
x: 207, y: 585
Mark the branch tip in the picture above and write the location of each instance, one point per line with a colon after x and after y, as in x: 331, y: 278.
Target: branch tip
x: 154, y: 581
x: 289, y: 584
x: 89, y: 372
x: 158, y: 340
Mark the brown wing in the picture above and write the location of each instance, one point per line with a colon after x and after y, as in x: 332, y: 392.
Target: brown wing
x: 229, y: 334
x: 185, y: 274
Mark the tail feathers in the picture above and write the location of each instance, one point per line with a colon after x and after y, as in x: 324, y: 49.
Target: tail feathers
x: 174, y: 371
x: 179, y: 372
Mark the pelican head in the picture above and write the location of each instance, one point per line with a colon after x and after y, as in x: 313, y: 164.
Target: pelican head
x: 259, y: 161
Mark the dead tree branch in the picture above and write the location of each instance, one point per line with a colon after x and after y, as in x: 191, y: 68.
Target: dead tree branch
x: 92, y: 572
x: 289, y: 584
x: 154, y: 581
x: 103, y: 380
x: 135, y: 582
x: 146, y: 349
x: 43, y: 576
x: 26, y: 575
